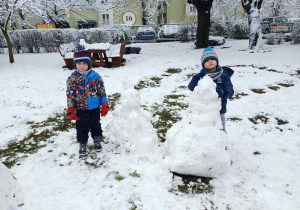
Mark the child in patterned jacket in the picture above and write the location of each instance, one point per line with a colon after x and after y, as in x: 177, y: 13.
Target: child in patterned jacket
x: 85, y: 94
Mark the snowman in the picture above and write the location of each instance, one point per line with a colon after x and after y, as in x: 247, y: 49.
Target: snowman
x: 196, y: 145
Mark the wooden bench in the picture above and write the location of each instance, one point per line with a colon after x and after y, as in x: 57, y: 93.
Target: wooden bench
x: 63, y: 49
x: 117, y: 60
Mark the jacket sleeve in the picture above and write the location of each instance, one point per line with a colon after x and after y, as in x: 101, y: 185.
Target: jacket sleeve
x: 101, y: 91
x: 228, y: 87
x: 71, y: 102
x: 194, y: 82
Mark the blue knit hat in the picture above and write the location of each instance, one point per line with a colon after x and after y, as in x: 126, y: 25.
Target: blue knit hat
x: 208, y: 53
x: 82, y: 55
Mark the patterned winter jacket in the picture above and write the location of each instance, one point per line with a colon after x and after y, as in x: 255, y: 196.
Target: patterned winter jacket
x: 85, y: 93
x: 223, y: 83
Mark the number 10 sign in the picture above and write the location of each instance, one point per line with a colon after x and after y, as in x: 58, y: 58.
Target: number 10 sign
x: 129, y: 18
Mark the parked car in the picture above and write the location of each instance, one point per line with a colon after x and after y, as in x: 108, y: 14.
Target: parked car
x: 295, y: 26
x: 145, y: 33
x: 278, y: 24
x: 168, y: 31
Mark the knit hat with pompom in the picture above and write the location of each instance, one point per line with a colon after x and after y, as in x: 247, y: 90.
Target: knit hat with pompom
x: 82, y: 55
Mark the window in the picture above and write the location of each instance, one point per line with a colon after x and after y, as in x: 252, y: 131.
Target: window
x: 193, y: 9
x: 104, y: 1
x: 105, y: 18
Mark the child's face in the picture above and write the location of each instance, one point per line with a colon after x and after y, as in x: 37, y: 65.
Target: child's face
x: 211, y: 65
x: 82, y: 66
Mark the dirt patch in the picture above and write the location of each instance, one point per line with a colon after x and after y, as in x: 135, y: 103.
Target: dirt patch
x: 281, y: 122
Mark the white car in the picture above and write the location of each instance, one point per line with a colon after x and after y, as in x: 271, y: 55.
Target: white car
x: 168, y: 31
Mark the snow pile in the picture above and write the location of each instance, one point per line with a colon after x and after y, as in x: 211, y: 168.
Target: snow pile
x: 10, y: 191
x: 195, y: 145
x: 131, y: 126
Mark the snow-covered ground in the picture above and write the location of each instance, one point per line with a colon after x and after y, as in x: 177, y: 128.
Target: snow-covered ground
x: 266, y: 156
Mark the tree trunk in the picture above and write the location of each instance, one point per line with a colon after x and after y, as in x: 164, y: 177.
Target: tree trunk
x: 144, y: 13
x: 203, y: 8
x: 252, y: 8
x: 9, y: 46
x: 202, y: 36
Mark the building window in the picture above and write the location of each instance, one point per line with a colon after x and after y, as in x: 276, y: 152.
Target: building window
x: 105, y: 18
x: 104, y: 1
x: 192, y: 9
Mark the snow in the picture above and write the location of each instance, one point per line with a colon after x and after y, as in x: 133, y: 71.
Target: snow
x: 10, y: 194
x: 138, y: 135
x: 195, y: 144
x: 265, y: 169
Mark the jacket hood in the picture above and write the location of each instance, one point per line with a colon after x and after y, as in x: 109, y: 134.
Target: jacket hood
x: 228, y: 70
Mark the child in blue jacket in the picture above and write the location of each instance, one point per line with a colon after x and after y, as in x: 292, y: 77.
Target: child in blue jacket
x: 85, y: 94
x: 220, y: 75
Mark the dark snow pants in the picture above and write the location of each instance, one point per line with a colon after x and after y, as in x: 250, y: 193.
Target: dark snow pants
x: 89, y: 121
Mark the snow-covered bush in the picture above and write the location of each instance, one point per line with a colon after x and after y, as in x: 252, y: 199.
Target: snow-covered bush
x: 271, y: 39
x: 37, y: 40
x: 122, y: 33
x: 233, y: 28
x: 184, y: 32
x: 280, y: 38
x: 296, y: 37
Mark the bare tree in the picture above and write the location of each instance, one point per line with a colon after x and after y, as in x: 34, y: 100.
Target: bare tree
x: 7, y: 11
x: 252, y: 8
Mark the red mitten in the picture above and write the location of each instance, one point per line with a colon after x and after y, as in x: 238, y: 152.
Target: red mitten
x: 71, y: 114
x: 105, y: 109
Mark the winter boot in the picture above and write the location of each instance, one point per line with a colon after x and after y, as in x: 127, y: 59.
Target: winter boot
x: 82, y: 150
x: 97, y: 143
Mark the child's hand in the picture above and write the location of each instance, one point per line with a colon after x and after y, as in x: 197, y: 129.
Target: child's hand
x: 202, y: 73
x: 71, y: 114
x: 220, y: 93
x: 105, y: 109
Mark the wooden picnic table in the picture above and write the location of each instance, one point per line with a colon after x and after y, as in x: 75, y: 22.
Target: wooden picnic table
x: 99, y: 57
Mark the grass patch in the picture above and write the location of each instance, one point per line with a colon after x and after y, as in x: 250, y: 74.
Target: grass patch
x: 193, y: 184
x: 234, y: 119
x: 259, y: 118
x: 173, y: 71
x: 256, y: 153
x: 274, y: 88
x: 238, y: 96
x: 113, y: 100
x: 135, y: 174
x: 36, y: 139
x: 118, y: 177
x: 258, y: 91
x: 153, y: 82
x: 286, y: 84
x: 273, y: 70
x: 281, y: 122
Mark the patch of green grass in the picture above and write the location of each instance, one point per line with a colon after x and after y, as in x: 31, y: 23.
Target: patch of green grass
x: 153, y: 82
x: 135, y: 174
x: 262, y: 118
x: 193, y: 184
x: 258, y: 91
x: 173, y: 71
x: 118, y: 177
x: 234, y: 119
x: 238, y: 96
x: 274, y: 88
x: 286, y: 84
x: 113, y: 100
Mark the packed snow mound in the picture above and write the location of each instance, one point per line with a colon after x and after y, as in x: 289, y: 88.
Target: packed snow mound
x: 131, y: 127
x: 195, y: 145
x: 10, y: 193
